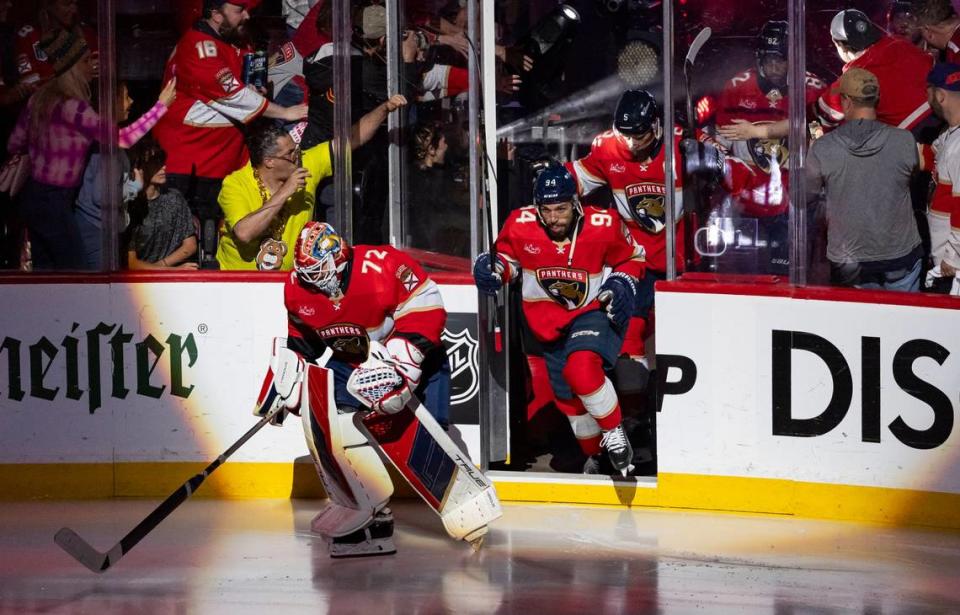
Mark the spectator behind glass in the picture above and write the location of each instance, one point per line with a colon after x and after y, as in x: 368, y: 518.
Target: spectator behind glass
x: 32, y: 64
x: 90, y: 200
x: 202, y: 133
x: 294, y: 12
x: 162, y: 235
x: 943, y: 215
x: 437, y: 197
x: 865, y: 168
x: 268, y: 201
x: 56, y: 128
x: 939, y: 25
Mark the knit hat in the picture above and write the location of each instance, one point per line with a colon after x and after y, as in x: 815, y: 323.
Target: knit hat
x: 860, y: 84
x: 63, y: 49
x: 374, y: 21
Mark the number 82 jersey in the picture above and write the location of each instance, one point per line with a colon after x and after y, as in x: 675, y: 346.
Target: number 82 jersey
x: 561, y: 279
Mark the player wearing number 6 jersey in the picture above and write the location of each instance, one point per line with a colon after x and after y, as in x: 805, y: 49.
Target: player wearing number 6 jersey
x: 560, y: 250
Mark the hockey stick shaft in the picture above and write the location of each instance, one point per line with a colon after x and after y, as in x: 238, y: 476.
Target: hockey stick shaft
x: 98, y: 562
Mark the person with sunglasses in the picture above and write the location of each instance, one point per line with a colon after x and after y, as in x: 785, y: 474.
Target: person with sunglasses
x: 267, y: 201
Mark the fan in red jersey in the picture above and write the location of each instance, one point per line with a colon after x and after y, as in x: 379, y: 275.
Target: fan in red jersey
x: 901, y: 69
x: 560, y: 251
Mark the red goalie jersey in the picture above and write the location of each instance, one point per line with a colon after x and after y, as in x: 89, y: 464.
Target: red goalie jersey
x: 200, y: 125
x: 386, y: 293
x: 561, y: 280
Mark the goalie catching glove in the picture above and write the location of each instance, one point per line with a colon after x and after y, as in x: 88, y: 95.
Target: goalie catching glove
x: 618, y: 296
x: 385, y: 382
x: 282, y: 384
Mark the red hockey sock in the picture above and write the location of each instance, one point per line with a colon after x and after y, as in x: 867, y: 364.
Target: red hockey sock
x: 633, y: 341
x: 542, y: 392
x: 584, y: 373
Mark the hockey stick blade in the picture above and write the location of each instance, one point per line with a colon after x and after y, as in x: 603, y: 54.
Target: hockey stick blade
x: 80, y: 550
x: 696, y: 45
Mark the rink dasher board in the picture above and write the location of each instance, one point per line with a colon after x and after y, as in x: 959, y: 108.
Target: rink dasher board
x: 717, y: 449
x: 129, y: 381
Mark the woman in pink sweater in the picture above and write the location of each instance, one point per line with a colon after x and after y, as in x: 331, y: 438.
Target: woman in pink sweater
x: 57, y: 128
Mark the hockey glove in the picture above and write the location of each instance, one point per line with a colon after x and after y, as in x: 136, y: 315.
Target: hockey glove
x: 618, y: 296
x: 281, y: 385
x: 488, y: 280
x: 702, y: 158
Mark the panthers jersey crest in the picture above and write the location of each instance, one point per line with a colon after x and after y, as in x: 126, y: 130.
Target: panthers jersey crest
x: 646, y: 205
x: 766, y: 152
x: 350, y: 343
x: 568, y: 287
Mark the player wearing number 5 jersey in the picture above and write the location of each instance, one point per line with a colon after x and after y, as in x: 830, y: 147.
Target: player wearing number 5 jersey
x: 561, y: 251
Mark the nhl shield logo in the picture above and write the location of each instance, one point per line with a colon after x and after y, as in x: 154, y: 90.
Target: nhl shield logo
x: 464, y: 372
x: 646, y: 206
x: 568, y: 287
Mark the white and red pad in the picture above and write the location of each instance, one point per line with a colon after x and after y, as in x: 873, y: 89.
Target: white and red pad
x: 437, y: 469
x: 352, y: 472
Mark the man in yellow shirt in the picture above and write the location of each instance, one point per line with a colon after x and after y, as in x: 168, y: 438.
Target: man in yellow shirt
x: 267, y: 201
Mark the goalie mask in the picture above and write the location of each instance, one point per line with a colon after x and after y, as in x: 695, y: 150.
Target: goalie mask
x: 637, y: 123
x: 320, y: 257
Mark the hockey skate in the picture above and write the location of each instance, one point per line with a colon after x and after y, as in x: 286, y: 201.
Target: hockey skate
x: 374, y: 539
x: 618, y: 449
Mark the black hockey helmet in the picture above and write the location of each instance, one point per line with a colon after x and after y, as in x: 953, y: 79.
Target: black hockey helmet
x: 554, y: 184
x: 637, y: 115
x: 772, y: 40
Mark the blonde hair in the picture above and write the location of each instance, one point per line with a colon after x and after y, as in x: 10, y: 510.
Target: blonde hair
x: 71, y: 84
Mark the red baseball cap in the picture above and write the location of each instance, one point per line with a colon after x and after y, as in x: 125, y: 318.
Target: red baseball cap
x: 247, y: 5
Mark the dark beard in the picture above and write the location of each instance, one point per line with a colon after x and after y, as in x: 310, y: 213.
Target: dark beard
x: 234, y: 36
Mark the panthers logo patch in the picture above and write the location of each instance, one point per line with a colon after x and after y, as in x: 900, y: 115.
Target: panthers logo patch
x: 767, y: 152
x: 568, y: 287
x: 349, y: 343
x: 646, y: 206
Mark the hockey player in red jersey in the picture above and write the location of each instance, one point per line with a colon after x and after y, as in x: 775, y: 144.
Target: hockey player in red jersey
x: 364, y: 326
x: 901, y: 70
x: 560, y: 251
x: 939, y: 27
x: 630, y: 160
x: 752, y: 125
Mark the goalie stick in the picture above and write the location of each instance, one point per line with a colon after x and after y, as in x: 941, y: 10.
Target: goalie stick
x: 98, y: 562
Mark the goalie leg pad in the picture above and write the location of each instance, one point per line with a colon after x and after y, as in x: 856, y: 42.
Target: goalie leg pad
x: 437, y: 470
x: 352, y: 472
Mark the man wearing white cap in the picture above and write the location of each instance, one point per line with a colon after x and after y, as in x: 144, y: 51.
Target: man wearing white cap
x: 900, y: 68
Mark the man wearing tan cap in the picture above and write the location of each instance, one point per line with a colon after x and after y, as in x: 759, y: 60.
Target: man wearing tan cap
x: 865, y: 167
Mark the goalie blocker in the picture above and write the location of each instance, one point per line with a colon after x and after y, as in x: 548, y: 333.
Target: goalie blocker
x: 348, y: 446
